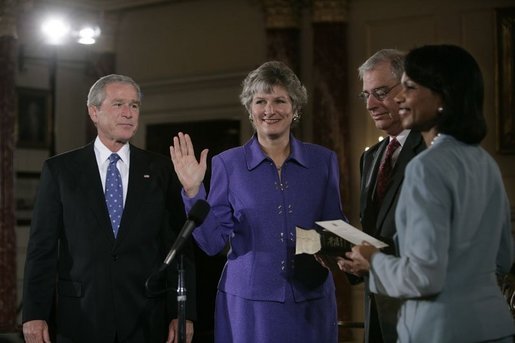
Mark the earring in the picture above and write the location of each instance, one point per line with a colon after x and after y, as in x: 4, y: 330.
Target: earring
x: 250, y: 118
x: 440, y: 109
x: 296, y: 117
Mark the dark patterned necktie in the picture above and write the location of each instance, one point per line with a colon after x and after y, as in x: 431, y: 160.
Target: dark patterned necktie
x: 385, y: 170
x: 114, y: 193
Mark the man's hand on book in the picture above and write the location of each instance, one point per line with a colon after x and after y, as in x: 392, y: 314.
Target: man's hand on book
x: 357, y: 261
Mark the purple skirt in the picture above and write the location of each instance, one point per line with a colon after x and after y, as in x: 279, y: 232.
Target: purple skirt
x: 239, y: 320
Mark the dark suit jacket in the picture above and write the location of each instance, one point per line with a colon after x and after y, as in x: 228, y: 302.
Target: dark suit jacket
x: 378, y: 220
x: 99, y: 281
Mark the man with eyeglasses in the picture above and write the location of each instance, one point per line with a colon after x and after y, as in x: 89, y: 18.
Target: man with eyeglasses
x: 382, y: 171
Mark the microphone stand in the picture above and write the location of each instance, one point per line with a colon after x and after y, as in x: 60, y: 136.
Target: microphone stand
x: 196, y: 216
x: 181, y: 302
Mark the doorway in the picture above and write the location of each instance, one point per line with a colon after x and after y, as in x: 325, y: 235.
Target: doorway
x: 217, y: 136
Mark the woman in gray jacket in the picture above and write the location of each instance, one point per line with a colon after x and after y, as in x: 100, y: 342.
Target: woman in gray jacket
x: 453, y: 215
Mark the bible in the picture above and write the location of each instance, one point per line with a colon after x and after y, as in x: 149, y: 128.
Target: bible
x: 321, y: 242
x: 333, y: 237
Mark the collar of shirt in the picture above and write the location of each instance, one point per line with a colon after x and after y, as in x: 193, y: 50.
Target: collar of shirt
x: 401, y: 138
x: 254, y: 155
x: 102, y: 154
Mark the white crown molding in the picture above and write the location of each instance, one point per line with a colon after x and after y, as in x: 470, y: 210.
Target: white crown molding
x: 108, y: 5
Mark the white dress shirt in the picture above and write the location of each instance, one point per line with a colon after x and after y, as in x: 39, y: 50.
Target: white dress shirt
x: 102, y: 154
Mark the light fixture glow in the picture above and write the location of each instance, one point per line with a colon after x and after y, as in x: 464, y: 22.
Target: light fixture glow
x: 55, y: 30
x: 88, y: 35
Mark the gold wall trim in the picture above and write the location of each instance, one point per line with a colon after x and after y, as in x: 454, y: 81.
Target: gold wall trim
x: 280, y: 14
x: 330, y: 11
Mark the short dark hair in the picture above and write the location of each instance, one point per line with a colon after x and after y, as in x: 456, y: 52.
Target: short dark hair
x: 452, y: 72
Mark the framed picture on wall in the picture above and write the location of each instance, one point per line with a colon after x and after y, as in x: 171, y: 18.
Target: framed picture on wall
x: 506, y: 79
x: 26, y: 185
x: 33, y: 118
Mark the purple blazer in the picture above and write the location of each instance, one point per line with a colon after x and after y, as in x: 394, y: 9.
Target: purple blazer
x: 257, y: 213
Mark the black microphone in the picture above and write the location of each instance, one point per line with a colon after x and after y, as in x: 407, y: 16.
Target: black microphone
x: 196, y: 216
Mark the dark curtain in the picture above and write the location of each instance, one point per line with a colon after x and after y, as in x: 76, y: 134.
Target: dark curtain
x: 8, y: 50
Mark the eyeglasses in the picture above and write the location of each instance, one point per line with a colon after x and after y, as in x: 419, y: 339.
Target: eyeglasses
x: 379, y: 93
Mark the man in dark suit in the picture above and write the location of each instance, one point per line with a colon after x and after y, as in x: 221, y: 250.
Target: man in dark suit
x: 381, y: 76
x: 87, y: 264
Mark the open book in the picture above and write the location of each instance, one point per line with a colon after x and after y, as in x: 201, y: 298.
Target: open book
x: 335, y: 238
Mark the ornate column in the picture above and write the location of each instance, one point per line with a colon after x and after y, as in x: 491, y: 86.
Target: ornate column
x: 330, y: 108
x: 282, y: 22
x: 8, y: 49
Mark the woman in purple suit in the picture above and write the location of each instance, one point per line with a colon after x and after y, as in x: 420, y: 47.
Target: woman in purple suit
x: 259, y: 193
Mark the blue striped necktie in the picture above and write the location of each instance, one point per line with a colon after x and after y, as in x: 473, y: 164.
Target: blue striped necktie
x: 114, y: 193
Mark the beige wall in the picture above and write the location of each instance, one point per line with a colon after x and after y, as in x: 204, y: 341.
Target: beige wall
x: 191, y: 56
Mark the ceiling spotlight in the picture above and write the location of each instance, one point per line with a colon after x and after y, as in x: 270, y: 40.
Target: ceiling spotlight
x: 55, y: 30
x: 88, y: 35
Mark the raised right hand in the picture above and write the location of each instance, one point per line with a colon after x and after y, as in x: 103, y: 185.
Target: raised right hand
x: 190, y: 171
x: 36, y: 331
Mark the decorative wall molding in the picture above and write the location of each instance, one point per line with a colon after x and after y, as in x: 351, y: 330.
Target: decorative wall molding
x: 505, y: 18
x: 8, y: 19
x: 280, y: 14
x: 330, y: 11
x: 192, y: 98
x: 109, y: 5
x: 213, y: 81
x: 174, y: 114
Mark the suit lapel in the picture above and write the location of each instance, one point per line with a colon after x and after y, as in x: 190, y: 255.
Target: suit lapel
x: 90, y: 183
x: 412, y: 146
x: 139, y: 176
x: 374, y: 162
x: 369, y: 168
